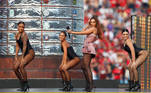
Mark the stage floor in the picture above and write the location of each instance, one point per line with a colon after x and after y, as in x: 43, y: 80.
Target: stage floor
x: 74, y: 90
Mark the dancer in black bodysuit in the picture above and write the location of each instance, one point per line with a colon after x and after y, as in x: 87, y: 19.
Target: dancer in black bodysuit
x: 137, y: 56
x: 22, y: 42
x: 68, y: 53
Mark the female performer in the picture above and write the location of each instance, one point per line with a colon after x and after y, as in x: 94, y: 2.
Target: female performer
x: 137, y: 56
x: 68, y: 53
x: 92, y: 30
x: 22, y: 42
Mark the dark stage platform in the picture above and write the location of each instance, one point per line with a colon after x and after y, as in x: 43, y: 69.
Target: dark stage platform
x: 53, y: 85
x: 75, y: 90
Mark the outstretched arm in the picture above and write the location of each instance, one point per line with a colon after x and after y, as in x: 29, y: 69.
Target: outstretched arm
x: 86, y: 32
x: 85, y: 28
x: 130, y: 45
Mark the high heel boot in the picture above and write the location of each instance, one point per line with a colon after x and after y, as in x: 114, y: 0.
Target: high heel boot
x: 87, y: 86
x: 90, y: 87
x: 21, y: 85
x: 26, y: 86
x: 131, y: 85
x: 64, y: 85
x: 69, y: 86
x: 137, y: 87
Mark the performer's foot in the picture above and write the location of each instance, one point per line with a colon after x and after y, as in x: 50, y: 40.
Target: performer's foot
x: 131, y: 85
x: 64, y: 85
x: 26, y: 87
x: 69, y: 86
x: 87, y: 86
x: 21, y: 86
x: 19, y: 89
x: 137, y: 87
x: 64, y: 88
x: 90, y: 88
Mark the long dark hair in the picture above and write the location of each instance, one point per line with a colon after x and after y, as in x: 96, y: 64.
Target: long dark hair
x: 98, y: 26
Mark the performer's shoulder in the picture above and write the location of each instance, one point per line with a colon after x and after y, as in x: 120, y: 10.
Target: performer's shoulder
x: 128, y: 40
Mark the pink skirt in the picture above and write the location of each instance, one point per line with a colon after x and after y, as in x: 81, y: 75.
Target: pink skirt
x: 89, y: 48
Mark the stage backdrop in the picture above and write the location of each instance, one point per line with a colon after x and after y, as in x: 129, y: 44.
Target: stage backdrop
x: 141, y: 28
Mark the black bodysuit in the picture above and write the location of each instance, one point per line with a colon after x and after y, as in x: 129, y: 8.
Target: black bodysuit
x: 137, y: 50
x: 20, y: 43
x: 70, y: 52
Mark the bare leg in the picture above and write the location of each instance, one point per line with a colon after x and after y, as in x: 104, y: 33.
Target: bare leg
x: 62, y: 73
x: 131, y: 81
x: 69, y: 65
x: 63, y: 77
x: 140, y: 60
x: 130, y: 71
x: 66, y: 67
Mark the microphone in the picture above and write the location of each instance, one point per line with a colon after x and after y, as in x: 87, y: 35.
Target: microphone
x: 68, y: 29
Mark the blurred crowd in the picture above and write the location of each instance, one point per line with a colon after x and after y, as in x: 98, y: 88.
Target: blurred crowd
x: 111, y: 60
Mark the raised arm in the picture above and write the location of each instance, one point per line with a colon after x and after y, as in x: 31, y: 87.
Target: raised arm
x: 86, y: 32
x: 130, y: 45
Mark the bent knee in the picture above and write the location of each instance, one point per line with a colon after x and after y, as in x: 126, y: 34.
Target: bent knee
x: 78, y: 59
x: 60, y: 68
x: 21, y: 66
x: 83, y: 67
x: 146, y: 53
x: 129, y: 67
x: 64, y: 68
x: 15, y: 68
x: 133, y: 67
